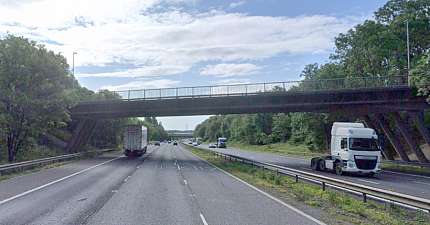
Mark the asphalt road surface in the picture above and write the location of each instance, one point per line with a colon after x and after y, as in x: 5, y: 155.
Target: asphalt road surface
x: 168, y: 185
x: 400, y: 182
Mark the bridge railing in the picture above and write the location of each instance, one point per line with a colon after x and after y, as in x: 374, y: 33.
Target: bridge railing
x: 349, y: 83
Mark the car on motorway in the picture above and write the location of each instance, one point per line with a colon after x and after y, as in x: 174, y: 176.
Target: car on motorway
x: 175, y: 143
x: 212, y: 145
x: 195, y: 144
x: 157, y: 143
x: 168, y: 142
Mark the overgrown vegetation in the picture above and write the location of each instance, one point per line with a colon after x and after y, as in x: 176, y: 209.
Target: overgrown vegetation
x: 337, y: 207
x: 375, y: 48
x: 278, y: 148
x: 36, y: 91
x: 411, y: 169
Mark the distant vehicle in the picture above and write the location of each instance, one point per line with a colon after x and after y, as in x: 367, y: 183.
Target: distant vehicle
x: 190, y: 142
x: 135, y: 140
x: 212, y: 145
x: 175, y: 143
x: 354, y: 149
x: 168, y: 142
x: 195, y: 144
x: 157, y: 143
x: 221, y: 142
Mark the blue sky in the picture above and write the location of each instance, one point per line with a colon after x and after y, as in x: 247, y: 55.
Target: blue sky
x: 135, y: 44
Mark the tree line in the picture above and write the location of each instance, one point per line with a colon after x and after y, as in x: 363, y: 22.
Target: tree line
x: 36, y: 92
x: 375, y: 48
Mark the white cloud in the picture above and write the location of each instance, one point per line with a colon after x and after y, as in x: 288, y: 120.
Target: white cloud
x: 229, y: 70
x: 109, y: 31
x: 234, y: 81
x: 236, y: 4
x: 142, y: 84
x: 140, y: 72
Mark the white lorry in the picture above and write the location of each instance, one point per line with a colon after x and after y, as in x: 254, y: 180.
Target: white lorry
x: 135, y: 140
x: 354, y: 149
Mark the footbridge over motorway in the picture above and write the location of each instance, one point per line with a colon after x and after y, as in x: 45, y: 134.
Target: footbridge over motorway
x: 180, y: 134
x: 376, y: 100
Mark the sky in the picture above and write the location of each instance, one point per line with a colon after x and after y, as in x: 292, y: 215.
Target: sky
x: 138, y: 44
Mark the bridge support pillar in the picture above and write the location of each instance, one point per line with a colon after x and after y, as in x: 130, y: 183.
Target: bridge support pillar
x: 371, y: 123
x: 418, y: 118
x: 382, y: 122
x: 81, y: 135
x: 403, y: 128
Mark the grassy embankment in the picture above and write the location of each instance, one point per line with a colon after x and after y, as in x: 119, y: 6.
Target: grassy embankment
x: 286, y: 149
x: 411, y: 169
x: 336, y: 207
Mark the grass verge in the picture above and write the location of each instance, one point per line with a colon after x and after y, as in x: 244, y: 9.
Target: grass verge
x: 336, y: 207
x: 286, y: 149
x: 411, y: 169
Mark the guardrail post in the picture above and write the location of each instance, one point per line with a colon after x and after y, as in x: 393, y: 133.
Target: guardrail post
x: 323, y: 186
x: 176, y: 92
x: 364, y: 197
x: 297, y: 178
x: 144, y: 93
x: 128, y: 97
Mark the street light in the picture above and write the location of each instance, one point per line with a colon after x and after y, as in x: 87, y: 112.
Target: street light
x: 407, y: 44
x: 73, y: 63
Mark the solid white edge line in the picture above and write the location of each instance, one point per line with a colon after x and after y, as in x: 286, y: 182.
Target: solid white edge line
x: 53, y: 182
x: 203, y: 219
x: 264, y: 193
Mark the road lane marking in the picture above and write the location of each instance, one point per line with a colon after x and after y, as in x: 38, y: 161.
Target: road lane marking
x: 368, y: 181
x: 185, y: 182
x: 263, y: 192
x: 419, y: 182
x: 126, y: 179
x: 179, y: 168
x: 54, y: 182
x: 203, y: 219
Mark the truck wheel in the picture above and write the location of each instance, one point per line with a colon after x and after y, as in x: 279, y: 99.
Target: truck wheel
x: 321, y: 165
x: 338, y: 168
x: 314, y: 163
x: 371, y: 174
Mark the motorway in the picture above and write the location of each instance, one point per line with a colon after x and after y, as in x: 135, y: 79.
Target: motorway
x: 399, y: 182
x: 168, y: 185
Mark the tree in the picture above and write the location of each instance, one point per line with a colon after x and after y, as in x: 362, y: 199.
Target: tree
x: 421, y: 77
x: 33, y: 81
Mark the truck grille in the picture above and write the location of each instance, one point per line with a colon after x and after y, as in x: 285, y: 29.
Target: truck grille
x: 365, y: 163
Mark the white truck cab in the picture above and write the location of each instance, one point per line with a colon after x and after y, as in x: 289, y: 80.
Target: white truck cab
x: 354, y: 149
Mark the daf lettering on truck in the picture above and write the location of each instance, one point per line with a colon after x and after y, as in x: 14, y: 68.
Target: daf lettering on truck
x: 353, y: 149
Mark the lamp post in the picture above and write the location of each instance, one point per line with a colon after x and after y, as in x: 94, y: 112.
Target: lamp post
x: 73, y: 63
x: 408, y: 51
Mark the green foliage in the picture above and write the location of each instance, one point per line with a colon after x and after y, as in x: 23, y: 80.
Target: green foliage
x: 421, y: 76
x: 33, y: 84
x: 266, y: 128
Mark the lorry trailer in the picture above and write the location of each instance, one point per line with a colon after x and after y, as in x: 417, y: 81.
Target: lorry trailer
x: 135, y: 140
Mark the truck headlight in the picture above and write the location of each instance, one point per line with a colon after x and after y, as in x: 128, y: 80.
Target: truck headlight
x: 351, y: 164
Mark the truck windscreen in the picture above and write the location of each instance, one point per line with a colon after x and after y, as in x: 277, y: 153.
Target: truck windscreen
x: 363, y: 144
